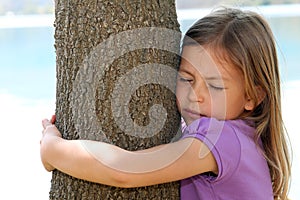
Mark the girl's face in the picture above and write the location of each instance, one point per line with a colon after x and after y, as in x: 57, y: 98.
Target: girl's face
x: 208, y: 87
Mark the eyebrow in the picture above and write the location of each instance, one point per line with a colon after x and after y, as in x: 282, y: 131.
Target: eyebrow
x: 210, y: 78
x: 184, y: 71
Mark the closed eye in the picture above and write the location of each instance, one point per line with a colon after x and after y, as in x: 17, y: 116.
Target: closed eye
x: 214, y: 87
x: 185, y: 79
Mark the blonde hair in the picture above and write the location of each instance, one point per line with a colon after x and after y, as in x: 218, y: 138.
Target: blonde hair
x: 244, y: 39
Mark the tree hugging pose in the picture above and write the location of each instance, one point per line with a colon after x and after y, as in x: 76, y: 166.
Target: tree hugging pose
x: 228, y: 93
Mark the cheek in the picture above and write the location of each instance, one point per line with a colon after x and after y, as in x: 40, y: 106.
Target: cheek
x: 178, y: 102
x: 181, y: 94
x: 228, y: 106
x: 218, y: 104
x: 178, y: 96
x: 218, y: 98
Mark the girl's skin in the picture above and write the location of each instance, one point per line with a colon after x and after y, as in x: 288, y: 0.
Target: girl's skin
x: 205, y: 87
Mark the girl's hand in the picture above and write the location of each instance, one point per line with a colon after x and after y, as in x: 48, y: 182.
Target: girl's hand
x: 50, y: 128
x: 48, y: 132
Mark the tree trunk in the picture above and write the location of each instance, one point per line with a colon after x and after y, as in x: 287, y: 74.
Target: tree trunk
x: 116, y: 69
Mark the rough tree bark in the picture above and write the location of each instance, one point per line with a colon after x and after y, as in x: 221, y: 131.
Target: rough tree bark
x: 89, y: 103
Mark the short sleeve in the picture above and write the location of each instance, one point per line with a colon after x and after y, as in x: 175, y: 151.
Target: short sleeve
x: 221, y: 139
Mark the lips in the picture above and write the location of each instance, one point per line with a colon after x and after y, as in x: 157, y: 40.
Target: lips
x: 192, y: 113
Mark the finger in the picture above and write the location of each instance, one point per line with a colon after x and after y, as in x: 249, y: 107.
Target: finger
x: 53, y: 119
x: 46, y: 123
x: 47, y: 128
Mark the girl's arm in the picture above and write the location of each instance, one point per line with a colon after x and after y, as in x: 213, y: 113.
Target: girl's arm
x: 110, y: 165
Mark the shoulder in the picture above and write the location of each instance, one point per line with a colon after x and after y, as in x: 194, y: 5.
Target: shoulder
x: 214, y: 130
x: 223, y: 138
x: 220, y: 136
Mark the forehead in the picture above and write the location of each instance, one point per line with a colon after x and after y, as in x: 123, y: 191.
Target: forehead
x: 197, y: 59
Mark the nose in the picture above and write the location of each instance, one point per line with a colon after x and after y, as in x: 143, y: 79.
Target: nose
x: 197, y: 91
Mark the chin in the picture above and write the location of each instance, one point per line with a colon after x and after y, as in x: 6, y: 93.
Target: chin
x: 189, y: 121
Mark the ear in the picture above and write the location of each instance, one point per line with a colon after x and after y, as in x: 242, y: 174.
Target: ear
x: 249, y: 105
x: 261, y: 94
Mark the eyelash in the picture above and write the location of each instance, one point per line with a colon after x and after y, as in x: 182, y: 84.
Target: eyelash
x: 182, y: 79
x: 215, y: 87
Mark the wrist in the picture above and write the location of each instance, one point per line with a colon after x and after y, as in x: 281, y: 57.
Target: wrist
x: 48, y: 148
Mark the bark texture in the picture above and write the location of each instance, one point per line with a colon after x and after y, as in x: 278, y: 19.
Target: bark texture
x: 99, y: 94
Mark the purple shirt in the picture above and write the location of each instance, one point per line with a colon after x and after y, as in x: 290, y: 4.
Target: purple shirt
x: 243, y: 171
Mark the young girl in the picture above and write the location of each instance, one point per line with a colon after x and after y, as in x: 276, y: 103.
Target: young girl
x: 228, y: 93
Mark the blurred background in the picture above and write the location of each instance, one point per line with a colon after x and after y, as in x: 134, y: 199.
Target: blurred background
x: 27, y: 82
